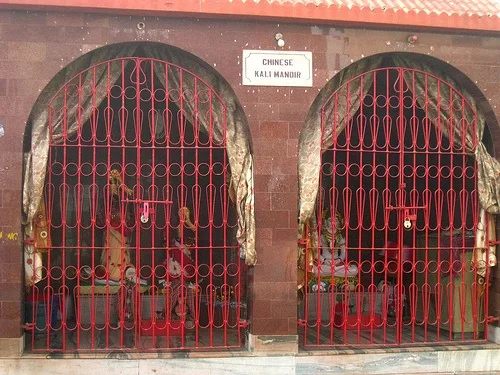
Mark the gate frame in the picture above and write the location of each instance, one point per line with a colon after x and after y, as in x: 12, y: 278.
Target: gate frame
x: 52, y: 89
x: 491, y: 131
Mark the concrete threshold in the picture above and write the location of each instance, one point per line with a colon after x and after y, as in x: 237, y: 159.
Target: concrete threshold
x: 467, y: 359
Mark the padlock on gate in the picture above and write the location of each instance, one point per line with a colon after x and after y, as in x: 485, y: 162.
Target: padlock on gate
x: 407, y: 223
x: 408, y: 219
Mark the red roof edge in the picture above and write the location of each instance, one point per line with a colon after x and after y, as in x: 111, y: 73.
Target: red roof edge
x: 310, y: 13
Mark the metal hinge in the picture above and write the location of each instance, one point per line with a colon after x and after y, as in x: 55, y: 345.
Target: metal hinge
x: 243, y: 324
x: 301, y: 323
x: 28, y: 326
x: 492, y: 319
x: 29, y: 241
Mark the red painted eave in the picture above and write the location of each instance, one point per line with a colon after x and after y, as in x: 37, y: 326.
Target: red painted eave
x: 325, y: 12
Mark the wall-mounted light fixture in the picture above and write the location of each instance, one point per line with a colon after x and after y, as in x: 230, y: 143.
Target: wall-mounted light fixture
x: 279, y: 39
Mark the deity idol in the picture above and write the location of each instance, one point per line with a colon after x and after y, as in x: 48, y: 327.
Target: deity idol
x: 116, y: 257
x: 332, y: 255
x: 180, y: 266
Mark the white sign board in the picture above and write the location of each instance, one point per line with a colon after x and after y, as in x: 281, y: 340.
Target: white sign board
x: 277, y: 68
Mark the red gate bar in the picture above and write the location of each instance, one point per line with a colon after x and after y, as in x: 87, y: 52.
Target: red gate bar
x: 396, y: 217
x: 143, y: 251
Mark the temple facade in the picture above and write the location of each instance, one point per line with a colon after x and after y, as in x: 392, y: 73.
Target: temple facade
x: 264, y: 177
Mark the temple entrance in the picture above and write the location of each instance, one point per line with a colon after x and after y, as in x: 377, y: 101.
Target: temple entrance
x: 135, y: 237
x: 390, y: 254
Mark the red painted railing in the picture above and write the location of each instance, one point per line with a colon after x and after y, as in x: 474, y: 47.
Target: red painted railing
x: 143, y: 252
x: 396, y: 217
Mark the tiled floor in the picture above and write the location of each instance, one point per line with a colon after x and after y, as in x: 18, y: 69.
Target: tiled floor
x: 116, y: 339
x: 456, y: 358
x: 383, y: 334
x: 366, y: 364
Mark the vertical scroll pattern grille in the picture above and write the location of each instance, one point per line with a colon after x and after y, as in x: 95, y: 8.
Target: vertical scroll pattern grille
x: 396, y: 217
x: 141, y: 223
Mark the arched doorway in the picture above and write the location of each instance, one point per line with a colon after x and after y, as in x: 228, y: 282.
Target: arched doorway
x: 394, y: 186
x: 137, y: 198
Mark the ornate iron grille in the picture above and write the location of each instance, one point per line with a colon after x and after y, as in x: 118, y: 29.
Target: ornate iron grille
x: 392, y: 257
x: 141, y: 225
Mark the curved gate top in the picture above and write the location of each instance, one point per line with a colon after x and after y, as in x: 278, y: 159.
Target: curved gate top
x: 135, y: 238
x: 391, y: 253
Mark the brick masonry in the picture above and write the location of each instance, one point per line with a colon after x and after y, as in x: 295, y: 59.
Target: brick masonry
x: 35, y: 46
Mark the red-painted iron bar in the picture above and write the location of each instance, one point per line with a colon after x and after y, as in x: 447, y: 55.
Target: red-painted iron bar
x: 434, y: 177
x: 81, y: 161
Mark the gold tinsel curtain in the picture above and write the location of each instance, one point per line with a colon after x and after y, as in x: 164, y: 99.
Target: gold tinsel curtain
x: 341, y: 98
x: 62, y: 109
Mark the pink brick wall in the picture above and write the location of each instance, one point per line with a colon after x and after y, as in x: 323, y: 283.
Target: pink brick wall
x: 36, y: 46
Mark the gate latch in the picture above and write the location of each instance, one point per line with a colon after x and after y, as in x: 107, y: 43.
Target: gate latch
x: 145, y: 212
x: 408, y: 219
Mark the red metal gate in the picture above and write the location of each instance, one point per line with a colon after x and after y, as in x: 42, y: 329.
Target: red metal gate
x: 397, y: 213
x: 141, y: 228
